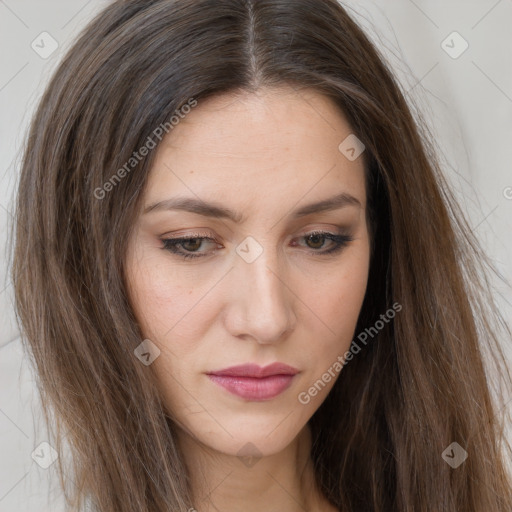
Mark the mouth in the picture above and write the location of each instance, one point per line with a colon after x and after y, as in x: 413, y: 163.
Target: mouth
x: 255, y: 383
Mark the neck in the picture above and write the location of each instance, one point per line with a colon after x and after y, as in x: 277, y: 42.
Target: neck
x: 284, y: 481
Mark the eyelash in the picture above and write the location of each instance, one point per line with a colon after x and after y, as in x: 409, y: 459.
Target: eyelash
x: 340, y: 241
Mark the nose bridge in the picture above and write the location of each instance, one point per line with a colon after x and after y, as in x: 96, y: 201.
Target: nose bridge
x: 263, y: 308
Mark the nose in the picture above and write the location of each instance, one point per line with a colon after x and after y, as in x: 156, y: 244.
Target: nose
x: 261, y: 302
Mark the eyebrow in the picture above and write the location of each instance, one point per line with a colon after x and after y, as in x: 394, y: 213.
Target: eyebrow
x: 218, y: 211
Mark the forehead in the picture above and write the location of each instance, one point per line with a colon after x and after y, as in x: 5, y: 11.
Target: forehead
x: 256, y: 149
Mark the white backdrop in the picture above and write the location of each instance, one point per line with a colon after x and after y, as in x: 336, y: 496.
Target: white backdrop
x: 452, y: 58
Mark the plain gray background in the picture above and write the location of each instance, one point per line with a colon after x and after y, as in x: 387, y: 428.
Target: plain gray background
x: 465, y: 94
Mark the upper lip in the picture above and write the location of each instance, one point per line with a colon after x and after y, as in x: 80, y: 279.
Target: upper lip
x: 253, y: 370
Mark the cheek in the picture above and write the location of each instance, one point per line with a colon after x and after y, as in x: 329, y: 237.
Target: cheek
x: 174, y: 311
x: 166, y: 314
x: 156, y: 295
x: 344, y: 300
x: 337, y: 302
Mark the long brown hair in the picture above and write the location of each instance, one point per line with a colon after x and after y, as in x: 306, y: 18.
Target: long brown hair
x: 418, y: 386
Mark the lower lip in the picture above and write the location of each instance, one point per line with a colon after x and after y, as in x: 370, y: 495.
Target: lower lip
x: 252, y: 388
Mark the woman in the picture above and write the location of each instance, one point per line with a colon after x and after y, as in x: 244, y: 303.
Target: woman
x: 242, y: 277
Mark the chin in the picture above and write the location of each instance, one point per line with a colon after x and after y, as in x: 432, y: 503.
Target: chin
x: 261, y: 438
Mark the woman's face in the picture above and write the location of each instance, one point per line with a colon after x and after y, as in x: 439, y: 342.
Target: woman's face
x: 251, y: 174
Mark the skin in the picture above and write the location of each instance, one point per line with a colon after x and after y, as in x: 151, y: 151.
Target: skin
x: 263, y: 155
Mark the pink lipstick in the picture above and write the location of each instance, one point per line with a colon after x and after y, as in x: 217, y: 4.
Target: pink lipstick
x: 253, y: 382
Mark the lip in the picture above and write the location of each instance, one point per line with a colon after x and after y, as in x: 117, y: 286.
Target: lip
x: 253, y: 370
x: 254, y: 382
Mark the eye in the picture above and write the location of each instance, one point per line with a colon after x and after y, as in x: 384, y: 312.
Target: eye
x: 188, y: 247
x: 316, y: 240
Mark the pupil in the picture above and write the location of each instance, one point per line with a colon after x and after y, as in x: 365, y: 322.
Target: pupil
x: 316, y: 238
x: 194, y: 246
